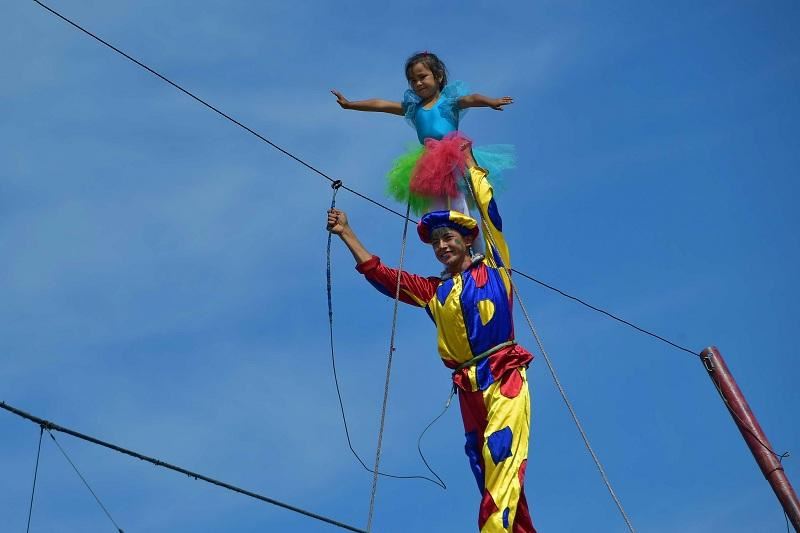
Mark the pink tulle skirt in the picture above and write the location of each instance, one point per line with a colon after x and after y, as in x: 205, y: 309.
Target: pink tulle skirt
x: 431, y: 175
x: 441, y: 167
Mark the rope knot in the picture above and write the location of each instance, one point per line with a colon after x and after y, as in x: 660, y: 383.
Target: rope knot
x: 335, y: 184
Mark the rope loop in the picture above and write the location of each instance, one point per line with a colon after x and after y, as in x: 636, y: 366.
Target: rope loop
x: 335, y: 185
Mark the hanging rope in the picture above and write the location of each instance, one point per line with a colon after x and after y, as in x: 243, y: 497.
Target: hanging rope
x: 51, y: 426
x: 388, y: 372
x: 35, y: 473
x: 438, y: 481
x: 430, y: 424
x: 562, y: 392
x: 86, y: 483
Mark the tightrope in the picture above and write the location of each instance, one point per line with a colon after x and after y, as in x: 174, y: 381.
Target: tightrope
x: 52, y: 426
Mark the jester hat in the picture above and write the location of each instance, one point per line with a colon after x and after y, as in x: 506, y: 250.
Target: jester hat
x: 464, y: 224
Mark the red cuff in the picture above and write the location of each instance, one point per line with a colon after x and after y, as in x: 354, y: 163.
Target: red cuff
x: 368, y: 265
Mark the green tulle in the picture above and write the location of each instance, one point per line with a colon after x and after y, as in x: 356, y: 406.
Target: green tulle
x: 495, y: 159
x: 399, y: 178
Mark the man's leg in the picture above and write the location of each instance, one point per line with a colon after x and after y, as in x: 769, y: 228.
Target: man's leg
x: 473, y: 414
x: 505, y: 455
x: 496, y: 426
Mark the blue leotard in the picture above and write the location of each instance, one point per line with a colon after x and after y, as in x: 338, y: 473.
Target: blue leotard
x: 442, y: 118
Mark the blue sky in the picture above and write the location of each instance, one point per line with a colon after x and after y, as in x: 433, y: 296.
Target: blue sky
x: 163, y: 280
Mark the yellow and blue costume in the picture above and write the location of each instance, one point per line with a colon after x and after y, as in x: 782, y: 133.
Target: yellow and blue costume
x: 472, y: 311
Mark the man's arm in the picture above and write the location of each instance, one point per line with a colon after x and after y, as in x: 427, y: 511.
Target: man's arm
x: 480, y: 100
x: 414, y: 290
x: 373, y: 104
x: 493, y: 222
x: 339, y: 225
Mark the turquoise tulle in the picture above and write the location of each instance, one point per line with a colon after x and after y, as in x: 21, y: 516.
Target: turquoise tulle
x: 496, y: 159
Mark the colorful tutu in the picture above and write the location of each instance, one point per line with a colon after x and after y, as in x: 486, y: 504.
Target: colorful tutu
x: 435, y: 171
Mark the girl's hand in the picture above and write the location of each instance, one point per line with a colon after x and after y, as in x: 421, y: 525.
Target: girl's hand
x: 340, y: 99
x: 481, y: 100
x: 498, y: 103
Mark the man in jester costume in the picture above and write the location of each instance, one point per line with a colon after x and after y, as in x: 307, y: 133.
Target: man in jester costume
x: 471, y: 305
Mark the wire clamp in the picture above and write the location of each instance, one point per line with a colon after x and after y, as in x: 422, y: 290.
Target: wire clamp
x: 335, y: 184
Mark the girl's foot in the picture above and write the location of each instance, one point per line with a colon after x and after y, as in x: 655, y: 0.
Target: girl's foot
x: 466, y: 147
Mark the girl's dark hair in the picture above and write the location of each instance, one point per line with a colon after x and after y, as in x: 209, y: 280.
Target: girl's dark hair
x: 431, y: 61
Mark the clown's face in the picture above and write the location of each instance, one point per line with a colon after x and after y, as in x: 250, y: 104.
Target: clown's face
x: 451, y: 249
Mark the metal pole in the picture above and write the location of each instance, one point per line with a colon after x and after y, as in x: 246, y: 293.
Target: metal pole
x: 753, y: 435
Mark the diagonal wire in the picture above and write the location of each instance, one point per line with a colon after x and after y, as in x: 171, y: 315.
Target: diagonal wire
x: 572, y: 412
x: 35, y: 474
x: 51, y: 426
x: 185, y: 91
x: 103, y: 507
x: 610, y: 315
x: 210, y: 106
x: 388, y: 373
x: 438, y: 481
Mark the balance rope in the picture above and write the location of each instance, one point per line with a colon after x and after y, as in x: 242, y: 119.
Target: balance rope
x: 438, y: 481
x: 388, y: 371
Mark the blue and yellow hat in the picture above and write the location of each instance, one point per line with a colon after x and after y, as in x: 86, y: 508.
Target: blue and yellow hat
x: 464, y: 224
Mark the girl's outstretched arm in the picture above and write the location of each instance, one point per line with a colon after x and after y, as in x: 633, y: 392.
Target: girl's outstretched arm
x: 479, y: 100
x: 373, y: 104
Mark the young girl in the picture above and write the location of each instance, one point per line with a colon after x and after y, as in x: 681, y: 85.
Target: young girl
x: 429, y: 177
